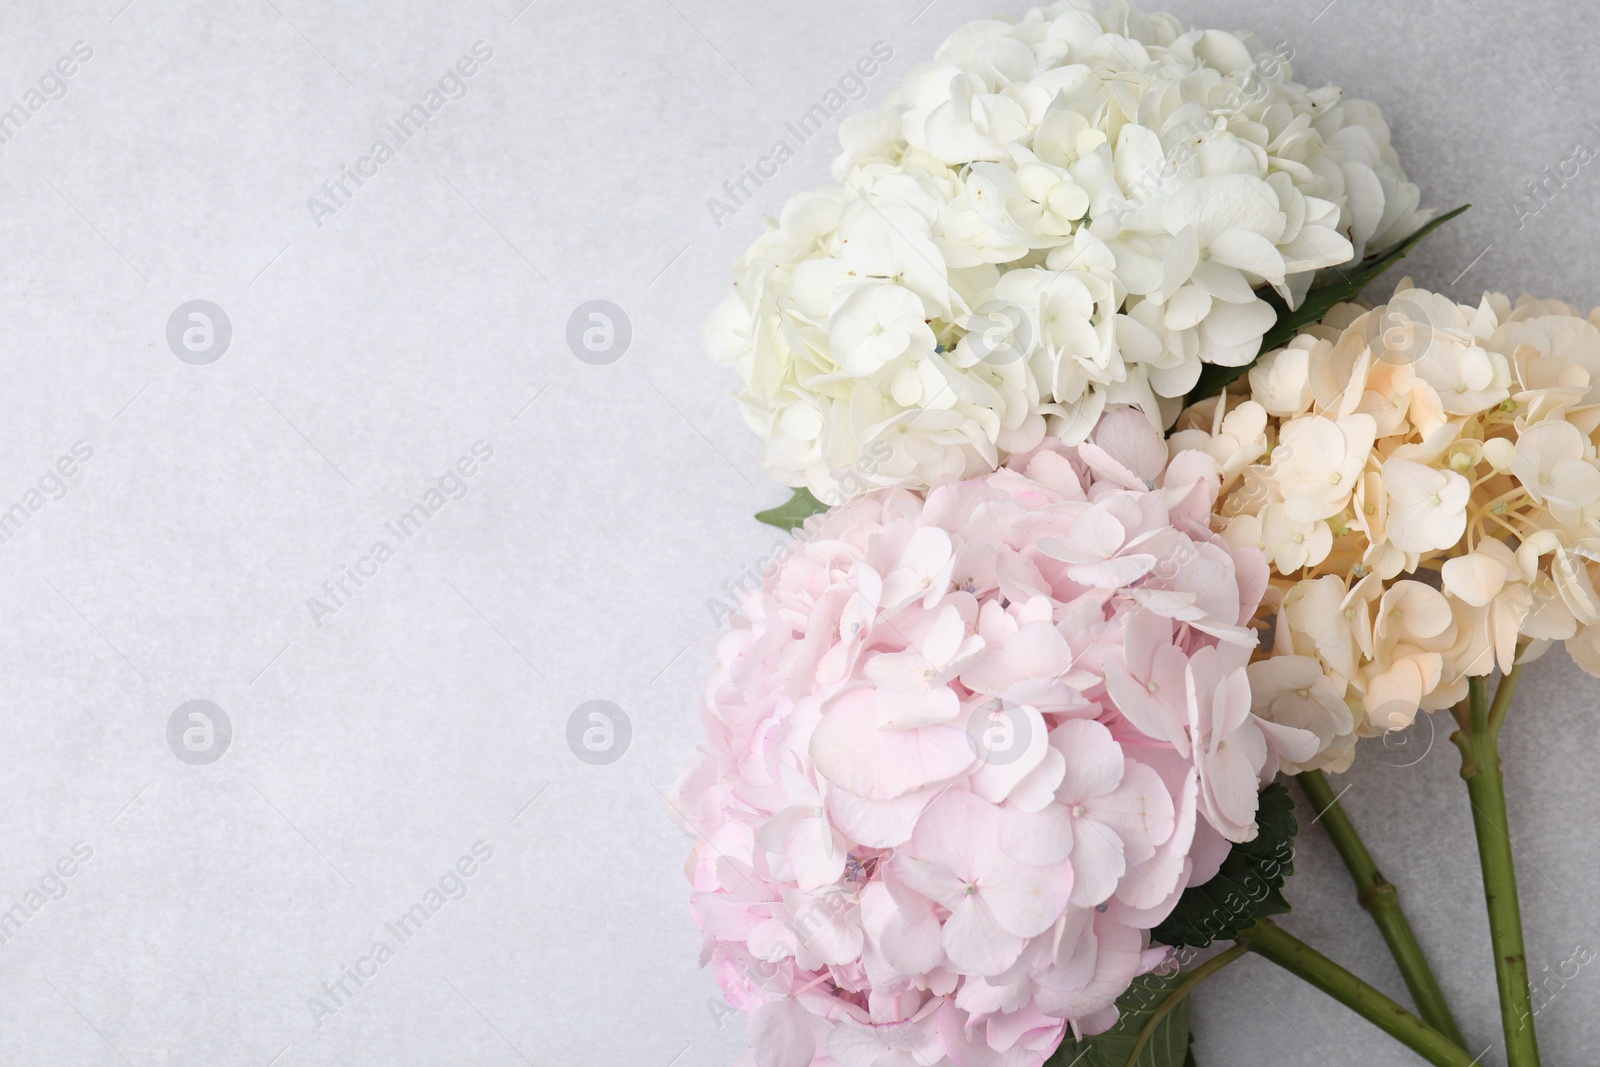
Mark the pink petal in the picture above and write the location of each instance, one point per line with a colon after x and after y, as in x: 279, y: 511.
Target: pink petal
x: 1128, y: 437
x: 1289, y: 742
x: 1039, y: 787
x: 1038, y: 651
x: 1097, y: 862
x: 1025, y: 900
x: 1151, y: 717
x: 1010, y: 742
x: 944, y: 637
x: 1042, y: 838
x: 976, y: 942
x: 1118, y: 958
x: 815, y: 853
x: 1094, y: 760
x: 1140, y: 810
x: 1112, y: 573
x: 851, y: 748
x: 1230, y: 784
x: 783, y: 1034
x: 1096, y: 534
x: 957, y: 832
x: 1212, y: 582
x: 913, y: 944
x: 877, y: 823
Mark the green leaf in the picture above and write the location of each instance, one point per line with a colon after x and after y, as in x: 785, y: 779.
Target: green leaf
x: 787, y: 516
x: 1248, y: 886
x: 1318, y: 302
x: 1169, y: 1041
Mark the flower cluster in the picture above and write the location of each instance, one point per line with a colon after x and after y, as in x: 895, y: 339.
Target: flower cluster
x: 1069, y: 211
x: 965, y: 751
x: 1423, y: 477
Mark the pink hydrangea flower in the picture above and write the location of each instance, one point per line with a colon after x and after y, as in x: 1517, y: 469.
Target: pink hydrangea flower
x: 965, y: 751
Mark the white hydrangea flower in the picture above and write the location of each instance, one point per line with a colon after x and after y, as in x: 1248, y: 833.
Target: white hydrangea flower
x: 1076, y: 209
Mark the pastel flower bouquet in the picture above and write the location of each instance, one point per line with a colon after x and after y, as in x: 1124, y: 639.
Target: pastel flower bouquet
x: 1111, y: 507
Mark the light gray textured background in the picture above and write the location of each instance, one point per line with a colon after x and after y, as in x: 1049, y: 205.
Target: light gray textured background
x: 430, y: 313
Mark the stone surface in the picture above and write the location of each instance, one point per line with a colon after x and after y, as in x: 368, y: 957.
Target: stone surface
x: 433, y: 717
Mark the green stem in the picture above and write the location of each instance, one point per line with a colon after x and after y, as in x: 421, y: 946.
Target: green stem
x: 1478, y: 740
x: 1295, y: 956
x: 1382, y: 901
x: 1502, y: 698
x: 1180, y: 991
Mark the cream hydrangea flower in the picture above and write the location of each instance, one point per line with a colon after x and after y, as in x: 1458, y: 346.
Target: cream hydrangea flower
x: 1076, y: 209
x: 1426, y: 486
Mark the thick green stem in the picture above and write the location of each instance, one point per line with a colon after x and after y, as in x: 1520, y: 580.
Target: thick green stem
x: 1478, y: 740
x: 1382, y: 901
x: 1303, y: 961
